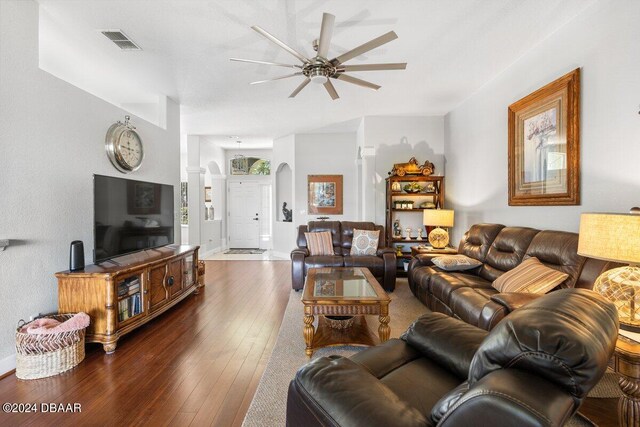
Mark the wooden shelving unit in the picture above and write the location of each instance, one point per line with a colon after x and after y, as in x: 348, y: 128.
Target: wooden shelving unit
x: 436, y: 197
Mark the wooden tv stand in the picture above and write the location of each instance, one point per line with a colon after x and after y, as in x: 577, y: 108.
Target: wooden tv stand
x: 129, y: 291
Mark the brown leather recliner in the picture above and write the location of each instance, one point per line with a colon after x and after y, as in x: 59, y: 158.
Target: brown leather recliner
x: 533, y: 369
x: 469, y: 294
x: 382, y: 265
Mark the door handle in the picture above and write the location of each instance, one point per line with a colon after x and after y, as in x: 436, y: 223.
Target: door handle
x: 255, y: 219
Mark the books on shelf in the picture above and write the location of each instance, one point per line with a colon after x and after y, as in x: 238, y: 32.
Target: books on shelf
x: 129, y: 299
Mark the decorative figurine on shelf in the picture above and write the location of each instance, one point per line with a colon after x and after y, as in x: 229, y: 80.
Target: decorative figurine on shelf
x: 419, y: 234
x: 397, y: 230
x: 412, y: 168
x: 408, y: 231
x: 399, y: 250
x: 287, y: 214
x: 396, y: 187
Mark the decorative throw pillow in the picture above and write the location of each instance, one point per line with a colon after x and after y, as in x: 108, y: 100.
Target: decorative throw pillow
x: 319, y: 243
x: 455, y: 262
x: 365, y: 242
x: 531, y: 276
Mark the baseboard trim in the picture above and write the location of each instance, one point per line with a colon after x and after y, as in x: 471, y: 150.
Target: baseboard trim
x: 211, y: 252
x: 280, y: 254
x: 7, y: 366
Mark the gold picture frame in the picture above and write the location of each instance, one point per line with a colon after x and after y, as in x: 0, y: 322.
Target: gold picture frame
x: 544, y: 145
x: 324, y: 194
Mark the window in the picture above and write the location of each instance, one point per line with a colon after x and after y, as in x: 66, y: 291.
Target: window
x: 184, y: 204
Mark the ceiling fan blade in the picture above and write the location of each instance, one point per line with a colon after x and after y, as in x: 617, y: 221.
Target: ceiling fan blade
x: 332, y: 90
x: 355, y: 81
x: 374, y: 67
x: 253, y: 61
x: 299, y: 88
x: 277, y: 78
x: 370, y: 45
x: 280, y: 43
x: 326, y: 31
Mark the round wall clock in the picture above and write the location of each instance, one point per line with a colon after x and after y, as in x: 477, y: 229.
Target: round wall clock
x: 124, y: 146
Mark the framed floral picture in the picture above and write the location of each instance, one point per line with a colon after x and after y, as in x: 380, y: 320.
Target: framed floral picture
x: 544, y: 145
x: 325, y: 194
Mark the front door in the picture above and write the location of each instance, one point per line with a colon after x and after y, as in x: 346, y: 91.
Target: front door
x: 244, y: 215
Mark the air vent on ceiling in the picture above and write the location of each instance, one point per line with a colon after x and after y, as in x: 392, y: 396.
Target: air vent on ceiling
x: 120, y: 39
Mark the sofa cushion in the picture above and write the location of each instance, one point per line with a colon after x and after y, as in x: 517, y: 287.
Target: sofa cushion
x: 365, y: 242
x: 530, y: 276
x: 455, y: 262
x: 319, y: 243
x: 506, y: 251
x: 558, y: 250
x: 477, y: 241
x: 322, y: 261
x: 443, y: 284
x: 375, y: 264
x: 468, y: 303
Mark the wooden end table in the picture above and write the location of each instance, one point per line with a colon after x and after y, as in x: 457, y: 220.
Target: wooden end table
x: 343, y: 291
x: 416, y: 250
x: 627, y: 365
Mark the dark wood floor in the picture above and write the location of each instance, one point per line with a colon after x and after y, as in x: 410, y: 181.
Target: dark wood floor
x: 198, y: 364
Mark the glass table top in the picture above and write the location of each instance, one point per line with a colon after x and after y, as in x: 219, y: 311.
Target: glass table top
x: 344, y: 283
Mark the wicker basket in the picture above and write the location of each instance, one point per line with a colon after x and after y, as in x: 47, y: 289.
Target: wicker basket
x: 45, y: 355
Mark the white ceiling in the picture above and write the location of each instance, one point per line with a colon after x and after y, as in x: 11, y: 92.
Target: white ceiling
x: 452, y: 48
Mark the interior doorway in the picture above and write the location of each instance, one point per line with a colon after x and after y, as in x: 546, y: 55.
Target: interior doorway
x: 249, y: 215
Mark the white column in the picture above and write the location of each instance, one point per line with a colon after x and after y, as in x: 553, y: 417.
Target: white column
x: 369, y: 184
x: 195, y: 178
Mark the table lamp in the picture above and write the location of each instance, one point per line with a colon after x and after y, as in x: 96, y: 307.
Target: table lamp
x: 615, y: 237
x: 439, y: 238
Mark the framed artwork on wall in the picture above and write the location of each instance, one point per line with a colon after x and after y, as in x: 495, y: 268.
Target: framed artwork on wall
x: 324, y: 194
x: 544, y: 145
x: 207, y: 194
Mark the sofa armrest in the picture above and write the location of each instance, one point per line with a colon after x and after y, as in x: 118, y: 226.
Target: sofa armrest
x: 514, y: 300
x: 383, y: 251
x: 449, y: 342
x: 511, y: 397
x: 389, y: 279
x: 300, y: 251
x: 336, y: 391
x: 297, y: 267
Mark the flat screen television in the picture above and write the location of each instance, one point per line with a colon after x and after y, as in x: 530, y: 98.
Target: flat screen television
x: 130, y: 216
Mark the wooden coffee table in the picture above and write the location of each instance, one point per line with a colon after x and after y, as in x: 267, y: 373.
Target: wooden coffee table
x: 343, y: 291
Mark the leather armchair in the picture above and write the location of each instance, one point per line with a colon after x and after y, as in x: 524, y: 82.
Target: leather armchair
x: 533, y: 369
x: 382, y: 265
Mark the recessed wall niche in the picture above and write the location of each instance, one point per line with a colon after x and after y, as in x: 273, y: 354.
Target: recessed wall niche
x: 284, y: 190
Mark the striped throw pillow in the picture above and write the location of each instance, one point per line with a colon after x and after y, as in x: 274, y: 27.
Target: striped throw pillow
x: 365, y: 242
x: 531, y: 276
x: 319, y: 243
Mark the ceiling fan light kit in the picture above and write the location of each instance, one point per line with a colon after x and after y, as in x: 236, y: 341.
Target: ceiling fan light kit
x: 319, y: 69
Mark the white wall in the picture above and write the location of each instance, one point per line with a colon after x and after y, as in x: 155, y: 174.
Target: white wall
x: 396, y: 140
x: 325, y: 154
x: 603, y: 42
x: 52, y: 142
x: 284, y: 233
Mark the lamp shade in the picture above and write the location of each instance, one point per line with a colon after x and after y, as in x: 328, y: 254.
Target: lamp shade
x: 610, y: 237
x: 438, y: 217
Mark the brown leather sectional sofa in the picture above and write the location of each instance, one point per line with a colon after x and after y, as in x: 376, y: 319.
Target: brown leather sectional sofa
x: 382, y: 265
x: 468, y: 295
x: 533, y: 369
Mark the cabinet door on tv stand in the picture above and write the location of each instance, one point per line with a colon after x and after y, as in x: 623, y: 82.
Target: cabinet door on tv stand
x: 174, y: 279
x: 158, y: 290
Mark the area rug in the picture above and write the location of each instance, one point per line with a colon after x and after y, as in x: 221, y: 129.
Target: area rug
x: 245, y: 251
x: 269, y: 404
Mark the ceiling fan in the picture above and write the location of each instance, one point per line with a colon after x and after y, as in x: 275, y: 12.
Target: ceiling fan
x: 319, y: 69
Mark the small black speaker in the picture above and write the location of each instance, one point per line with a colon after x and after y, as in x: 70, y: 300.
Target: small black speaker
x: 76, y: 256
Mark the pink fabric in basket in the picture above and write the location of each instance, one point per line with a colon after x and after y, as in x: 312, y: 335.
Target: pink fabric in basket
x: 52, y: 326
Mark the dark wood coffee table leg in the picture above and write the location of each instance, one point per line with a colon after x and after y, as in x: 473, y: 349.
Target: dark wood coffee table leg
x: 384, y: 330
x: 308, y: 330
